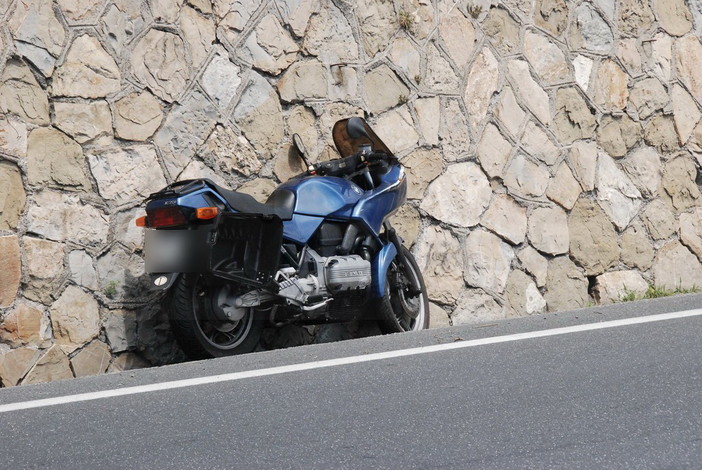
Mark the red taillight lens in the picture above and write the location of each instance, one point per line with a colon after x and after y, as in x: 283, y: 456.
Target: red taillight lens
x: 165, y: 217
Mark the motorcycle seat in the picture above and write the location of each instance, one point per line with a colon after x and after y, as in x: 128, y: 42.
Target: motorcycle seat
x: 280, y: 203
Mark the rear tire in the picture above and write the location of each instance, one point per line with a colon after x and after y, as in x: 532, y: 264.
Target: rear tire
x: 198, y: 332
x: 398, y: 311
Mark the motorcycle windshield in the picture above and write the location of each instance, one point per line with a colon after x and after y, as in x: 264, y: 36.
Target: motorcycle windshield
x: 347, y: 145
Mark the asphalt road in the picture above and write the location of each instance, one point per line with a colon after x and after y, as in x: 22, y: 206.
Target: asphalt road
x: 627, y: 396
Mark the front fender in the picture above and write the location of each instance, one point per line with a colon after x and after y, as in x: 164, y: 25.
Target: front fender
x: 379, y: 266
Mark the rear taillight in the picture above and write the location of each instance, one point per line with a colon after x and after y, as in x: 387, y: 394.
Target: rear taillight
x: 165, y: 217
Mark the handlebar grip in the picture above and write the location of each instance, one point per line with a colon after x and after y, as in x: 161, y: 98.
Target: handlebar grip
x: 338, y: 167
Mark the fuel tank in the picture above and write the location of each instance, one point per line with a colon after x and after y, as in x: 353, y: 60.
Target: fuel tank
x: 322, y: 196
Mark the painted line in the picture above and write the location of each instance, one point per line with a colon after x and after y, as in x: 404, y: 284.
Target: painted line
x: 25, y: 405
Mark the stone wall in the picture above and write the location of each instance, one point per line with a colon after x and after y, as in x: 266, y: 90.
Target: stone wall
x: 553, y: 149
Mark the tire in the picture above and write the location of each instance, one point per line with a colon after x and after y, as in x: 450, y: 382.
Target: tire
x: 391, y: 310
x: 198, y: 332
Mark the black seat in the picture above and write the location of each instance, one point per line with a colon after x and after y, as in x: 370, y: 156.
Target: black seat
x: 280, y: 203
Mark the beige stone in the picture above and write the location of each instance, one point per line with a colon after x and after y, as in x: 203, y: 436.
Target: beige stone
x: 166, y: 11
x: 459, y: 196
x: 15, y: 363
x: 685, y: 113
x: 525, y: 178
x: 159, y: 62
x: 440, y: 259
x: 120, y: 329
x: 52, y: 366
x: 546, y: 58
x: 614, y: 286
x: 296, y: 13
x: 428, y: 114
x: 438, y: 317
x: 629, y: 55
x: 304, y: 80
x: 127, y: 361
x: 233, y: 152
x: 637, y: 250
x: 648, y: 96
x: 20, y: 94
x: 529, y: 90
x: 75, y: 319
x: 548, y: 230
x: 564, y: 189
x: 13, y: 136
x: 91, y: 360
x: 688, y: 59
x: 509, y: 112
x: 454, y: 132
x: 81, y: 266
x: 12, y: 197
x: 538, y: 144
x: 10, y: 273
x: 378, y: 22
x: 660, y: 56
x: 233, y: 15
x: 675, y: 267
x: 422, y: 14
x: 635, y: 17
x: 259, y: 115
x: 407, y: 222
x: 259, y: 188
x: 398, y: 123
x: 574, y: 119
x: 502, y: 30
x: 659, y: 219
x: 439, y: 76
x: 39, y: 34
x: 618, y: 134
x: 405, y: 56
x: 487, y: 261
x: 679, y: 182
x: 43, y: 259
x: 329, y: 37
x: 582, y: 67
x: 61, y: 217
x: 506, y: 218
x: 611, y: 92
x: 593, y: 241
x: 121, y: 275
x: 660, y: 133
x: 221, y: 79
x: 24, y: 325
x: 199, y: 34
x: 423, y: 166
x: 522, y: 296
x: 691, y: 231
x: 644, y: 168
x: 137, y: 116
x: 493, y: 151
x: 123, y: 21
x: 552, y: 15
x: 475, y: 306
x: 458, y: 36
x: 80, y: 11
x: 534, y: 263
x: 83, y: 121
x: 566, y: 286
x: 481, y: 84
x: 88, y: 71
x: 384, y: 89
x: 583, y: 160
x: 673, y: 15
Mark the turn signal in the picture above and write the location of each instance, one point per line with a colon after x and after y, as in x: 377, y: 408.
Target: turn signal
x: 206, y: 213
x: 141, y: 221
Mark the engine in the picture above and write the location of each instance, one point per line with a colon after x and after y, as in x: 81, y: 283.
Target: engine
x: 329, y: 276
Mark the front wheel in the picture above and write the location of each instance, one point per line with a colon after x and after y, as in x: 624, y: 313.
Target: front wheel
x: 402, y: 309
x: 199, y: 331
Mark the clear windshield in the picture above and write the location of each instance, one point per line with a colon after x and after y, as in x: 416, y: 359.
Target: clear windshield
x: 347, y: 146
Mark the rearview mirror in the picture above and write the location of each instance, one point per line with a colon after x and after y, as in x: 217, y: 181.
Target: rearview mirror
x: 299, y: 145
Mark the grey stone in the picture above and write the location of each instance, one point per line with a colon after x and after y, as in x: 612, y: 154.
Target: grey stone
x: 84, y: 121
x: 685, y: 113
x: 644, y: 168
x: 590, y: 31
x: 221, y: 80
x: 458, y: 36
x: 439, y: 76
x: 329, y: 37
x: 548, y: 230
x: 440, y: 259
x: 551, y: 15
x: 406, y: 57
x: 303, y: 80
x: 583, y: 160
x: 20, y: 94
x: 120, y: 275
x: 88, y: 71
x: 475, y: 306
x: 564, y: 189
x: 675, y: 267
x: 199, y: 34
x: 296, y: 13
x: 546, y: 58
x: 487, y: 261
x: 525, y: 178
x: 122, y: 22
x: 82, y: 270
x: 529, y: 90
x: 428, y: 114
x: 509, y: 112
x: 614, y: 286
x: 454, y: 132
x: 137, y: 116
x: 481, y: 84
x: 407, y: 222
x: 616, y: 193
x: 159, y: 61
x: 54, y: 158
x: 75, y: 319
x: 13, y: 136
x: 378, y: 22
x: 506, y: 218
x: 438, y: 317
x: 567, y: 287
x: 398, y: 122
x: 635, y: 17
x: 659, y: 219
x: 231, y: 151
x: 522, y: 295
x: 120, y: 329
x: 534, y: 263
x: 674, y: 16
x: 423, y: 166
x: 384, y: 89
x: 538, y: 144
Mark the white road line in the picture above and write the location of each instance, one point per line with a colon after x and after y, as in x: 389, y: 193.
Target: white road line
x: 341, y: 361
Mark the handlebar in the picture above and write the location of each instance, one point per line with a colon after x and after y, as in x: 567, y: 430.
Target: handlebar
x: 343, y: 166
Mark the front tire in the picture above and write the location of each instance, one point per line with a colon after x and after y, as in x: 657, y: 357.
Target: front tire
x: 197, y: 329
x: 399, y: 310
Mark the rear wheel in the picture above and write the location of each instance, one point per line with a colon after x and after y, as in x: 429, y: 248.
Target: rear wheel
x: 200, y: 332
x: 401, y: 308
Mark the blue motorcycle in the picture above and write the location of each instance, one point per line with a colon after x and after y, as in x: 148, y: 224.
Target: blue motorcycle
x: 321, y: 249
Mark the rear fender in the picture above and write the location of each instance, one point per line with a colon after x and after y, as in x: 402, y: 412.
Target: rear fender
x: 163, y: 281
x: 379, y: 266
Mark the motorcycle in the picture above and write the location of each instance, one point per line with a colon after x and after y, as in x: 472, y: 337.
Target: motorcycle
x: 321, y: 249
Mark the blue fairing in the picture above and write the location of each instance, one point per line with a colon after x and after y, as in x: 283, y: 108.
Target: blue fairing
x: 380, y: 266
x: 380, y: 203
